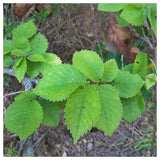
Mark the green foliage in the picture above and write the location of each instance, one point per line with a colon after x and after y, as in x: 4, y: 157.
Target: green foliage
x: 36, y: 58
x: 40, y: 65
x: 122, y: 22
x: 34, y: 68
x: 23, y: 117
x: 27, y: 96
x: 132, y: 107
x: 51, y: 112
x: 150, y: 105
x: 145, y: 143
x: 7, y: 60
x: 140, y: 44
x: 128, y: 67
x: 96, y: 93
x: 133, y: 13
x: 89, y: 63
x: 128, y: 85
x: 39, y: 44
x: 33, y: 50
x: 110, y: 71
x: 146, y: 93
x: 150, y: 80
x: 8, y: 28
x: 23, y: 45
x: 111, y: 7
x: 7, y: 46
x: 59, y: 82
x: 140, y: 65
x: 82, y: 110
x: 152, y: 21
x: 43, y: 14
x: 111, y: 109
x: 12, y: 152
x: 25, y: 30
x: 20, y: 68
x: 52, y: 59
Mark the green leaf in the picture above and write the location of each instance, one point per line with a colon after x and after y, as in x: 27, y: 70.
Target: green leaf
x: 132, y: 107
x: 140, y: 65
x: 134, y: 15
x: 7, y: 46
x: 36, y: 58
x: 146, y: 93
x: 122, y: 22
x: 17, y: 52
x: 34, y: 68
x: 23, y: 45
x: 52, y: 58
x: 152, y: 21
x: 24, y: 30
x: 39, y: 44
x: 82, y: 111
x: 26, y: 96
x: 128, y: 85
x: 128, y: 67
x: 150, y: 80
x: 150, y: 105
x: 89, y: 63
x: 49, y: 58
x: 152, y: 7
x: 51, y: 112
x: 111, y: 109
x: 7, y: 60
x: 111, y: 7
x: 59, y: 82
x: 17, y: 62
x: 138, y: 5
x: 20, y: 69
x: 110, y: 71
x: 23, y: 117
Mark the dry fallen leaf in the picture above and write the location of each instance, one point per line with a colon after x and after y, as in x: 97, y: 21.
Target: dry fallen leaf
x: 20, y: 9
x: 39, y: 6
x: 121, y: 37
x: 131, y: 54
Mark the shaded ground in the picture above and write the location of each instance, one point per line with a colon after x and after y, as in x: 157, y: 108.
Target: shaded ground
x: 68, y: 30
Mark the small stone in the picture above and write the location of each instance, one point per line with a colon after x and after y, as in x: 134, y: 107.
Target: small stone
x: 84, y: 141
x: 89, y: 146
x: 64, y: 154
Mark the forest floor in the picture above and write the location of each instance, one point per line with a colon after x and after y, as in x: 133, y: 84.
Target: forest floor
x: 70, y: 29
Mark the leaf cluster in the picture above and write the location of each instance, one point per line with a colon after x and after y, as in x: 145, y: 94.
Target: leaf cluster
x: 26, y: 51
x: 133, y: 13
x: 94, y: 94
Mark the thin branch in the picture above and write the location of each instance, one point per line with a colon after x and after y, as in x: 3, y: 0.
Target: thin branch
x: 145, y: 39
x: 39, y: 140
x: 12, y: 94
